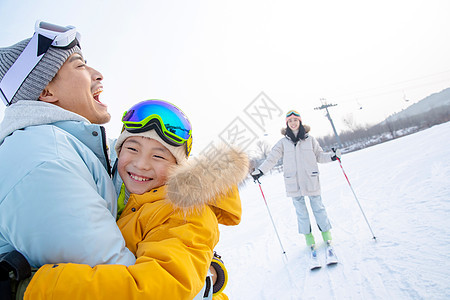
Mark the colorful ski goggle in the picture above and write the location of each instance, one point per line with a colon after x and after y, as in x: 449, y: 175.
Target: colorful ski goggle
x: 166, y: 119
x: 292, y: 112
x: 45, y: 35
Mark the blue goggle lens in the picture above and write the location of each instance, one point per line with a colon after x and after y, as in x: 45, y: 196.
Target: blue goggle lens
x: 174, y: 120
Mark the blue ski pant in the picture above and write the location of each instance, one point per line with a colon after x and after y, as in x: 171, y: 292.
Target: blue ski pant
x: 320, y: 214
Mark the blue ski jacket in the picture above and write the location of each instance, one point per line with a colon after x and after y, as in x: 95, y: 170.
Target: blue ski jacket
x: 57, y: 200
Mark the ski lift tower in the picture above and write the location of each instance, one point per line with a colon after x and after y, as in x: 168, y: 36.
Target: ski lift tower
x: 325, y: 106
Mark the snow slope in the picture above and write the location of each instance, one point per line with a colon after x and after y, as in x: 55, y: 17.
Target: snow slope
x: 404, y: 188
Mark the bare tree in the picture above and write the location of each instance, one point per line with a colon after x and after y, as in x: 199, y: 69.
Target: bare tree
x: 349, y: 121
x: 263, y: 149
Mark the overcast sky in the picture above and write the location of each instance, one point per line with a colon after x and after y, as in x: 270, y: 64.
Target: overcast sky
x: 217, y: 60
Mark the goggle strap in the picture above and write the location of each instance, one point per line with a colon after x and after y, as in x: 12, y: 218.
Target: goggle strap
x: 4, y: 99
x: 44, y: 44
x: 23, y: 66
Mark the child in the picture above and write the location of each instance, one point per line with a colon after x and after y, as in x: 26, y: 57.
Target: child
x: 170, y: 217
x: 301, y: 152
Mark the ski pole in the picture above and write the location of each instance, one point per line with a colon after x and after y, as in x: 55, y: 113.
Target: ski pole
x: 373, y: 236
x: 273, y: 223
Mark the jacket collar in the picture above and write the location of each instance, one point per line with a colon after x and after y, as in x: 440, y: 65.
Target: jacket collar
x: 32, y: 113
x: 91, y: 135
x: 289, y: 138
x: 149, y: 197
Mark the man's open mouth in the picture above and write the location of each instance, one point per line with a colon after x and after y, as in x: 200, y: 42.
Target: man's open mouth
x: 96, y: 95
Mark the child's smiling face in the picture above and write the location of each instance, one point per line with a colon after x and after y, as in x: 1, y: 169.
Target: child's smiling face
x: 144, y: 164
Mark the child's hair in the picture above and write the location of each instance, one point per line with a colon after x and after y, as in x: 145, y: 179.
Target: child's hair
x: 159, y: 120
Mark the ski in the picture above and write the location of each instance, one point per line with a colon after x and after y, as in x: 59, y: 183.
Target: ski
x: 314, y: 262
x: 331, y: 257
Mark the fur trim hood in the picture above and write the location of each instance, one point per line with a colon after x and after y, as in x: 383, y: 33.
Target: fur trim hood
x: 307, y: 129
x: 207, y: 179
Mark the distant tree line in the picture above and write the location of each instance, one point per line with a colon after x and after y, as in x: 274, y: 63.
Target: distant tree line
x: 365, y: 136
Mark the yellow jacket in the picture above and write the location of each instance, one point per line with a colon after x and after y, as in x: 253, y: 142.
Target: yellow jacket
x: 173, y: 246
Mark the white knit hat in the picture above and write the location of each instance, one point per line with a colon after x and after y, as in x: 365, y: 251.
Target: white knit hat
x: 178, y: 152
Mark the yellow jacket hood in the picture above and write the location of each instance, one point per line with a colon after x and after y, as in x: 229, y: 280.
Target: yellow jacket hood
x: 207, y: 179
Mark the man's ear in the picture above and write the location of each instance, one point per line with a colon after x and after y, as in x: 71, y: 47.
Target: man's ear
x: 47, y: 96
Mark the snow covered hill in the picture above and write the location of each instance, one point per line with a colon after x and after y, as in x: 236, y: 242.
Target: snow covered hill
x: 433, y: 101
x: 404, y: 188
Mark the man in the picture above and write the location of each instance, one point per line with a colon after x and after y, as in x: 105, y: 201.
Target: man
x: 57, y: 201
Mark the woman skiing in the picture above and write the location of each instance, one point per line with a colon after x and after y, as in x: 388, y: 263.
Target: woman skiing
x: 301, y: 152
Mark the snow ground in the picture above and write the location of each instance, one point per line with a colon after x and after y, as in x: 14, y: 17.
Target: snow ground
x: 404, y: 188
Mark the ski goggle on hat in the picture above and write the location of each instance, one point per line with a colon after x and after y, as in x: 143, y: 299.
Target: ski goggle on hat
x: 293, y: 114
x: 166, y: 119
x: 45, y: 35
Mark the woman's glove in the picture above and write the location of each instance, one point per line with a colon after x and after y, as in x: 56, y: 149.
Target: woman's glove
x: 337, y: 154
x: 256, y: 174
